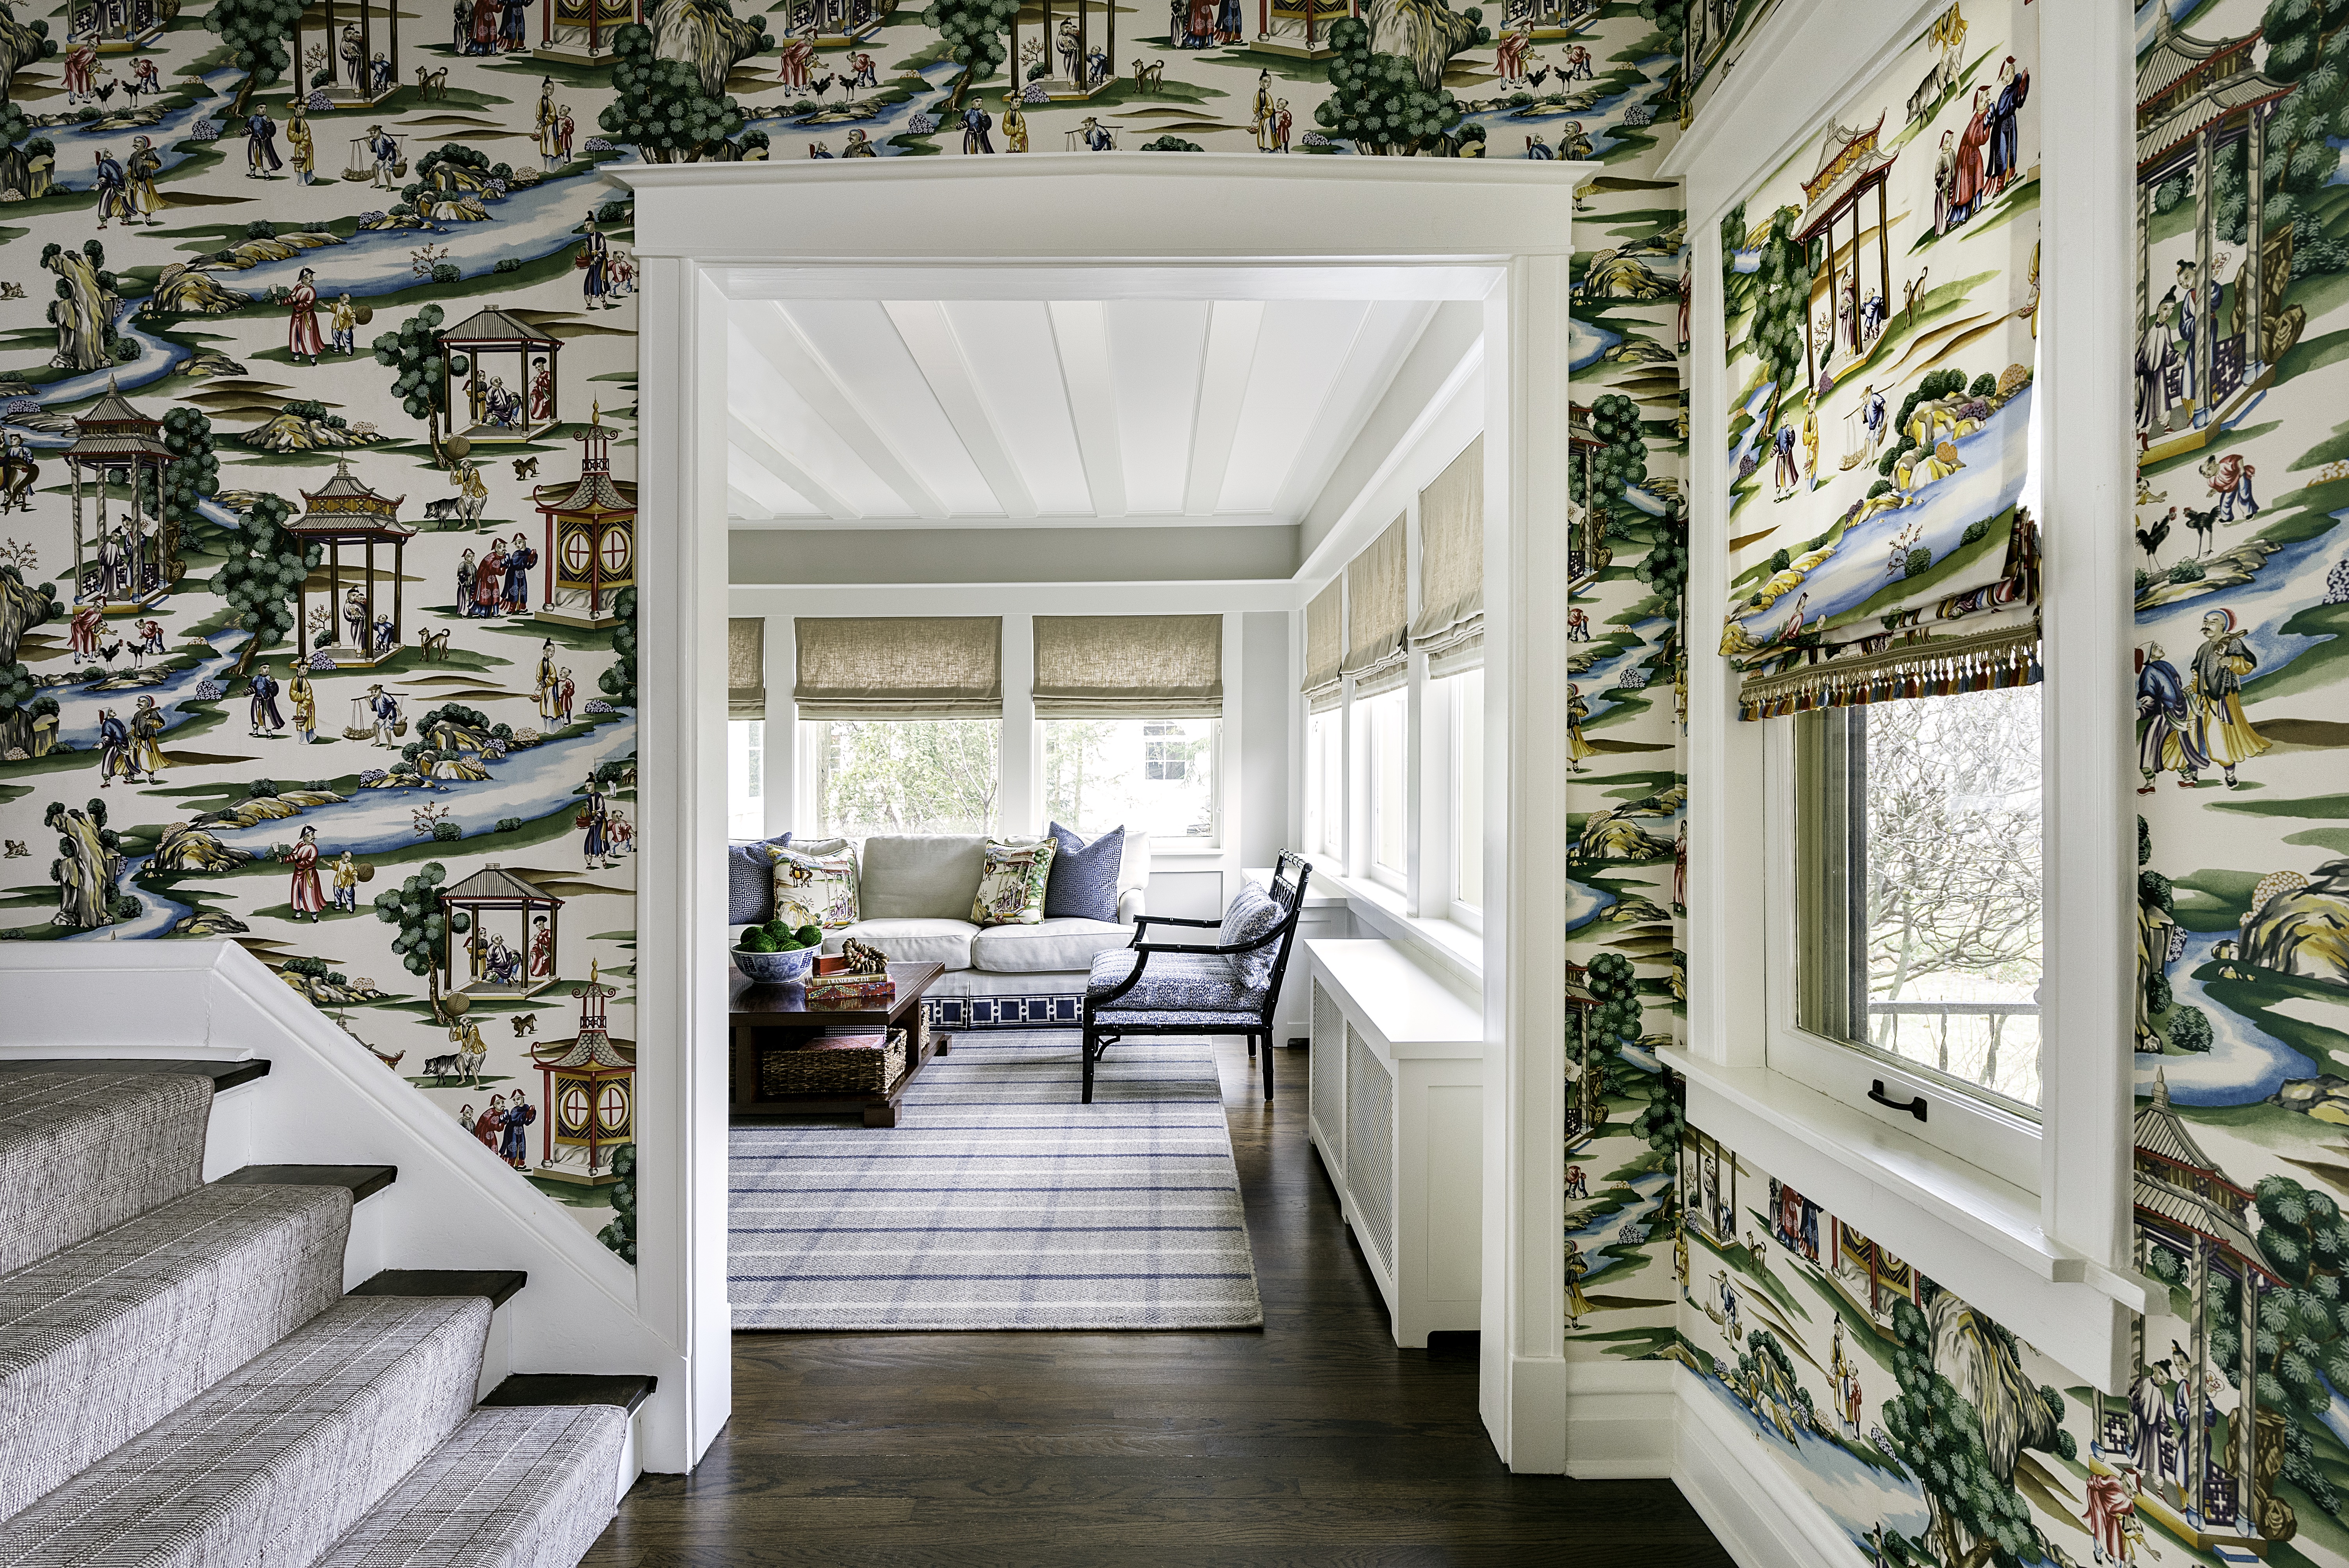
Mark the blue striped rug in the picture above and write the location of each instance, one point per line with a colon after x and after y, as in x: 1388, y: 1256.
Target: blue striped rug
x: 1000, y: 1202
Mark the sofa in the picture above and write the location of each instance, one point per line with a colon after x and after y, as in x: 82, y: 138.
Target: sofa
x: 914, y: 896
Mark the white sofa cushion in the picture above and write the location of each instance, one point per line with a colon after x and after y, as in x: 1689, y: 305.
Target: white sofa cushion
x: 921, y: 876
x: 945, y: 942
x: 1047, y: 946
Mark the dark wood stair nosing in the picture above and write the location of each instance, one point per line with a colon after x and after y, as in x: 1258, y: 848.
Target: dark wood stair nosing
x: 627, y: 1390
x: 225, y: 1075
x: 364, y: 1181
x: 501, y: 1286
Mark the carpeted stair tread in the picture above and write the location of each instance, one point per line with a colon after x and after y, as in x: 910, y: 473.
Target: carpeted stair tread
x: 100, y: 1341
x: 225, y: 1075
x: 86, y: 1146
x: 363, y: 1181
x: 278, y: 1460
x: 628, y: 1391
x: 500, y: 1285
x: 510, y: 1488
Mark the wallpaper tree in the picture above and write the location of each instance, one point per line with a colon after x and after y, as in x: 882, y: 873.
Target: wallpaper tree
x: 1782, y: 304
x: 973, y: 34
x: 191, y: 478
x: 414, y: 906
x: 664, y: 106
x: 2308, y: 44
x: 266, y: 566
x: 424, y: 367
x: 1386, y: 103
x: 22, y: 605
x: 2302, y: 1349
x: 1600, y: 477
x: 1979, y: 1519
x: 255, y: 33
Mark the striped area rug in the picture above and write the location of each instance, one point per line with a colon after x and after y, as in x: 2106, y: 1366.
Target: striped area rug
x: 1000, y: 1202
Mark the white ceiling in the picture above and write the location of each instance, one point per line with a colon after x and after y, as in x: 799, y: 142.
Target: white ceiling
x: 1028, y: 412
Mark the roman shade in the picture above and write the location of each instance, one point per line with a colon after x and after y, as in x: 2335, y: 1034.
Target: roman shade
x: 900, y: 667
x: 1450, y: 627
x: 1325, y: 647
x: 1880, y: 544
x: 1129, y: 666
x: 1377, y: 612
x: 746, y: 667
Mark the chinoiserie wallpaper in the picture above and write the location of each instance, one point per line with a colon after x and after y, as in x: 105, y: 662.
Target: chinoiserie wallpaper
x: 1928, y: 1433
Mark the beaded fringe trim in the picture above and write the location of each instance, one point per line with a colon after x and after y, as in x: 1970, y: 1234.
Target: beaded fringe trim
x: 1939, y: 667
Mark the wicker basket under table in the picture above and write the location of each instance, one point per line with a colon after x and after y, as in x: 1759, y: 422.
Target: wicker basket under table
x: 817, y: 1069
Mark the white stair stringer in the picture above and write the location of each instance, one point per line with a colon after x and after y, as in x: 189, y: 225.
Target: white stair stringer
x: 82, y: 1149
x: 519, y: 1486
x: 275, y: 1462
x: 100, y: 1341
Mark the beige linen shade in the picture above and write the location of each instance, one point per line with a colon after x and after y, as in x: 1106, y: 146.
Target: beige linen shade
x: 899, y: 666
x: 1377, y: 612
x: 1129, y: 666
x: 746, y: 667
x: 1450, y: 627
x: 1325, y: 646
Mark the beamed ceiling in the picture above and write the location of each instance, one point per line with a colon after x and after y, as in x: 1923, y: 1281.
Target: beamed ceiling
x: 1028, y: 413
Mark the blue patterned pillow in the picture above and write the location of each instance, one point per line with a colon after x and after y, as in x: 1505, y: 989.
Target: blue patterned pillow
x: 751, y: 882
x: 1251, y: 914
x: 1084, y: 876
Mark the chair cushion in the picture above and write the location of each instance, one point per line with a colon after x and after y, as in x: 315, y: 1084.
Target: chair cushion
x: 751, y: 882
x: 1251, y: 914
x: 815, y: 888
x: 921, y: 876
x: 1174, y: 983
x: 1085, y: 876
x: 945, y: 942
x: 1048, y: 946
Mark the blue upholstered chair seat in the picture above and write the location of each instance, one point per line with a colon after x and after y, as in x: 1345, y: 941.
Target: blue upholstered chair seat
x: 1204, y: 984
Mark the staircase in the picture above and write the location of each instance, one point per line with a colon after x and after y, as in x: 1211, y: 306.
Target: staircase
x: 184, y: 1381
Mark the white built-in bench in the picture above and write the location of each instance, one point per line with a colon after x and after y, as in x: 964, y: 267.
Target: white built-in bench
x: 1397, y: 1113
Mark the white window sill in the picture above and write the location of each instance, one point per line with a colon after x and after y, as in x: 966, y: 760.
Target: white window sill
x: 1385, y: 912
x: 1187, y: 855
x: 1953, y: 1220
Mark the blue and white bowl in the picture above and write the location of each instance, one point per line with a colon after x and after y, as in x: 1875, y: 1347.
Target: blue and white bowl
x: 776, y: 968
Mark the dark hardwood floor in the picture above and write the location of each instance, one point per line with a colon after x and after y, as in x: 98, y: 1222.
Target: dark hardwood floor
x: 1315, y: 1441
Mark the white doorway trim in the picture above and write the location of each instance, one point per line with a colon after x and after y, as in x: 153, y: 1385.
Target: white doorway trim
x: 1195, y: 225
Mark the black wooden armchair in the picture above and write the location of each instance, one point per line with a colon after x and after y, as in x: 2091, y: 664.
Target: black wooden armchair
x: 1225, y: 987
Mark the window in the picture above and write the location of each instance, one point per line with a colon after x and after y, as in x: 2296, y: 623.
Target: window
x: 1156, y: 777
x: 746, y: 794
x: 1325, y: 785
x: 1387, y: 715
x: 1467, y: 704
x: 1917, y: 886
x: 900, y: 775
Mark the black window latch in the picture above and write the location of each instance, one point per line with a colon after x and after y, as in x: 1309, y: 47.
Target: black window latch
x: 1915, y: 1108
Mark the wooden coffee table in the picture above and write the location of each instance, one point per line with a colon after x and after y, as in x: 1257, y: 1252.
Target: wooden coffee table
x: 769, y: 1017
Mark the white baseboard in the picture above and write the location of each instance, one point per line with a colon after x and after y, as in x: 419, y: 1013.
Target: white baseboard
x: 1619, y: 1420
x: 1753, y: 1506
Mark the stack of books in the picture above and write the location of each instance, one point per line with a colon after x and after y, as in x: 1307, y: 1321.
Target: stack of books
x: 832, y: 982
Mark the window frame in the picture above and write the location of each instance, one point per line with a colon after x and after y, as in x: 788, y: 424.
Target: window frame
x: 1376, y: 813
x: 1966, y: 1125
x: 749, y: 808
x: 1160, y: 843
x: 1459, y: 853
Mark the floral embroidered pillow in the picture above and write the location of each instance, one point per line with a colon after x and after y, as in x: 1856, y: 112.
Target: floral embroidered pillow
x: 815, y: 888
x: 1011, y: 882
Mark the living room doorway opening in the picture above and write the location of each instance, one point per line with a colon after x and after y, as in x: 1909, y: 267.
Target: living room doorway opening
x: 1031, y: 524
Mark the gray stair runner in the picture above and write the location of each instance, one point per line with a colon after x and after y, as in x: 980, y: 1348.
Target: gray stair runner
x: 184, y: 1383
x: 273, y: 1463
x: 83, y: 1148
x: 100, y: 1341
x: 516, y: 1488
